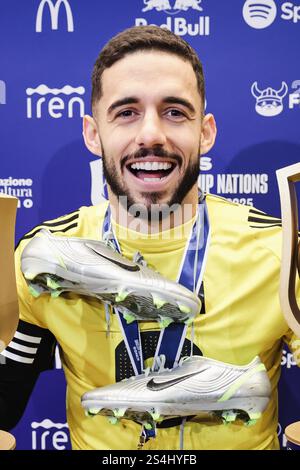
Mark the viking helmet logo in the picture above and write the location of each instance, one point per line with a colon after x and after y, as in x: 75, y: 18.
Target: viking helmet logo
x: 269, y: 101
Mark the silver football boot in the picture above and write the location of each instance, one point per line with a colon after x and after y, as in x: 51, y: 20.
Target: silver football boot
x: 53, y: 264
x: 197, y: 385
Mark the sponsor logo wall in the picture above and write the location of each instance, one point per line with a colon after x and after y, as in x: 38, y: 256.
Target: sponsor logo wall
x: 260, y: 14
x: 54, y: 10
x: 249, y: 50
x: 55, y: 106
x: 48, y: 434
x: 173, y: 19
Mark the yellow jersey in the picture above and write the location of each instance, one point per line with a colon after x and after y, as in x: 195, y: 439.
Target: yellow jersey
x: 242, y: 319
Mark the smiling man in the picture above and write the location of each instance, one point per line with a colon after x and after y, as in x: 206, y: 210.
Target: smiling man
x: 149, y: 127
x: 148, y: 121
x: 150, y: 130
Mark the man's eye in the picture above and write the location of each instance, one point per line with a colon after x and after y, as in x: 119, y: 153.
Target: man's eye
x: 175, y: 113
x: 126, y: 113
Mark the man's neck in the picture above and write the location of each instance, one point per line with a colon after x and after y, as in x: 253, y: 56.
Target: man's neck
x: 154, y: 221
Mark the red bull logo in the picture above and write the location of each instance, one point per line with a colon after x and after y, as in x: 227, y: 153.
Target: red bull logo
x: 179, y: 5
x: 179, y: 26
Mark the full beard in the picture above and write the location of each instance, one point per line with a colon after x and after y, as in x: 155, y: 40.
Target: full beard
x: 152, y: 201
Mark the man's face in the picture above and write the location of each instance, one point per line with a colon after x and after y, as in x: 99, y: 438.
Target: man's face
x: 149, y: 125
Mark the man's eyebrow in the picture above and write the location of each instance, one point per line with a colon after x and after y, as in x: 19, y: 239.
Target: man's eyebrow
x: 122, y: 102
x: 177, y: 100
x: 134, y: 100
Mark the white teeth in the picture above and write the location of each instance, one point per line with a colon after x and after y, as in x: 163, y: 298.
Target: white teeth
x: 151, y: 180
x: 151, y: 166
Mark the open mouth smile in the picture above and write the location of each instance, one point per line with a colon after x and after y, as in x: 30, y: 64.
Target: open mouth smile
x: 151, y: 172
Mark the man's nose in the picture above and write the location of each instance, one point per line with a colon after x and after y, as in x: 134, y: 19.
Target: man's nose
x: 150, y: 131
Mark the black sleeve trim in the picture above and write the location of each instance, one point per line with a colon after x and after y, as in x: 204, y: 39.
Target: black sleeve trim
x: 32, y: 347
x: 30, y: 352
x: 73, y: 216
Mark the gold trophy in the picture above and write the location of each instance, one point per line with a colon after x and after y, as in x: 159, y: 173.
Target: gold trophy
x: 290, y: 264
x: 9, y: 310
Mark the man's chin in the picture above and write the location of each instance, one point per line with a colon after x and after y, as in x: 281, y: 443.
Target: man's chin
x: 143, y: 204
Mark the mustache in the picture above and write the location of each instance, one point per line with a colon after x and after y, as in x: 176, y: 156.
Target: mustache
x: 146, y: 151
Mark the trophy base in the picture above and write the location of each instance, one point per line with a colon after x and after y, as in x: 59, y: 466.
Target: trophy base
x: 7, y: 441
x: 292, y: 433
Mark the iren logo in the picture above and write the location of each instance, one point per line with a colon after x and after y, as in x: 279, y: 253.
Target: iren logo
x: 49, y: 435
x: 54, y: 12
x: 56, y: 105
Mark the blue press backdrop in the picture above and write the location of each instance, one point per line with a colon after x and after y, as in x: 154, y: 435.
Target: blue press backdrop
x: 47, y: 50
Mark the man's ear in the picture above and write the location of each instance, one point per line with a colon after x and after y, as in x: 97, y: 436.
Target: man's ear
x: 208, y: 133
x: 91, y: 135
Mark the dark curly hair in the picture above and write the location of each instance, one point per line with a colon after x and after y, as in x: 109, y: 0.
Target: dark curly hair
x: 140, y: 38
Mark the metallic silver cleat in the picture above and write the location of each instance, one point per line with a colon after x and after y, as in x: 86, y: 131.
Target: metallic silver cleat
x: 197, y: 384
x: 53, y: 264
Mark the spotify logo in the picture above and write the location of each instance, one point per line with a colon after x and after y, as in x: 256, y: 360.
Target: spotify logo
x: 259, y: 14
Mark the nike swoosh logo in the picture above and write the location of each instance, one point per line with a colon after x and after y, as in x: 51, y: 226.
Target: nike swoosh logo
x: 156, y: 387
x: 118, y: 263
